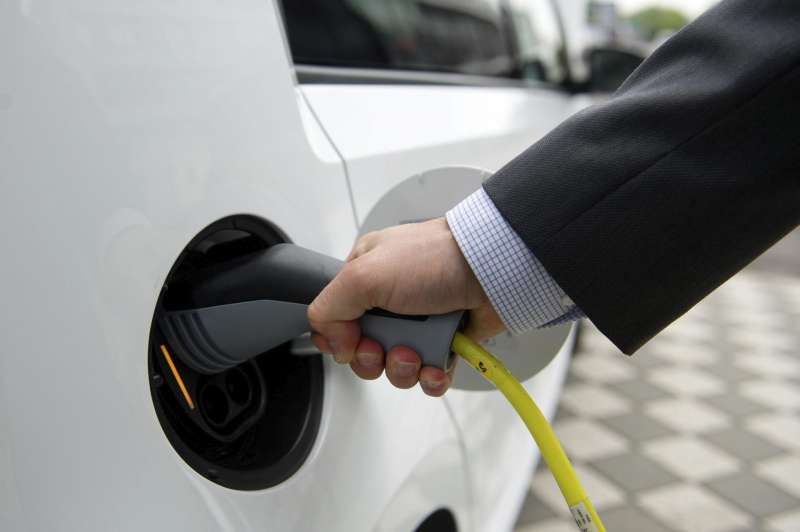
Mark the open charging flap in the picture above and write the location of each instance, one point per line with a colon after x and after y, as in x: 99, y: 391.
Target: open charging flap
x: 430, y: 195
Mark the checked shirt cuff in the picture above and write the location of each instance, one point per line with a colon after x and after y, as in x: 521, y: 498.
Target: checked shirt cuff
x: 523, y: 294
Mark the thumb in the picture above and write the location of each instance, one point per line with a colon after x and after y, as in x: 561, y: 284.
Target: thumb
x: 334, y: 311
x: 483, y: 323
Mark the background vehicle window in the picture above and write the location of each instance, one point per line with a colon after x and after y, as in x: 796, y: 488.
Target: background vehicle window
x: 462, y: 36
x: 539, y: 42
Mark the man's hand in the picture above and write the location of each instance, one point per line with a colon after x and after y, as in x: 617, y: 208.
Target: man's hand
x: 407, y: 269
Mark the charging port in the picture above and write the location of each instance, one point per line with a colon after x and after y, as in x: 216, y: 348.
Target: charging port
x: 249, y: 427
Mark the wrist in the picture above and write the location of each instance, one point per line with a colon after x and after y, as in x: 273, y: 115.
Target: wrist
x: 519, y: 288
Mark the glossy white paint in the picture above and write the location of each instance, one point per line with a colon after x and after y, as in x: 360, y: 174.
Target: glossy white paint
x: 125, y: 128
x: 388, y: 133
x: 385, y: 146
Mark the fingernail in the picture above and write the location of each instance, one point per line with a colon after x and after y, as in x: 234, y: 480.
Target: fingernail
x: 337, y: 355
x: 405, y: 369
x: 369, y: 360
x: 434, y: 385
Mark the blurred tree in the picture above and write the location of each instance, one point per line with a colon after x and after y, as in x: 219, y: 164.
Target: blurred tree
x: 652, y: 21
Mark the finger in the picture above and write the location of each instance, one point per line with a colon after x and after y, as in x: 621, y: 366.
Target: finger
x: 451, y: 372
x: 334, y: 311
x: 363, y: 245
x: 369, y: 359
x: 402, y: 367
x: 342, y: 337
x: 322, y: 344
x: 433, y: 381
x: 483, y: 323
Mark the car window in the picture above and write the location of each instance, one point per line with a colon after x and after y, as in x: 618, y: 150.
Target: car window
x: 538, y: 38
x: 460, y: 36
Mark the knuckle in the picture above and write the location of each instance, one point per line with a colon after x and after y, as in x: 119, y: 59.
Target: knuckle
x: 318, y: 303
x: 367, y: 238
x: 356, y: 276
x: 317, y: 311
x: 314, y: 315
x: 358, y: 250
x: 363, y: 244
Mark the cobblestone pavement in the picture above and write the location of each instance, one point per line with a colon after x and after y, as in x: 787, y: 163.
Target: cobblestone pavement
x: 700, y: 431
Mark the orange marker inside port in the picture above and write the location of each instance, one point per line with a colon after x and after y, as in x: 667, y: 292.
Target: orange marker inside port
x: 177, y: 376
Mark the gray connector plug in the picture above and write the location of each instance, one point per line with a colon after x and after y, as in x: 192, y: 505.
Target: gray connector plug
x: 239, y: 310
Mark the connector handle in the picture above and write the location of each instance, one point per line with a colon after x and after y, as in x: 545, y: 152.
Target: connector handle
x: 238, y: 310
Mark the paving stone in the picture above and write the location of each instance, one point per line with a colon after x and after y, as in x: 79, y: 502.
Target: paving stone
x: 631, y: 519
x: 689, y: 508
x: 634, y: 472
x: 687, y: 415
x: 587, y: 440
x: 734, y: 404
x: 593, y: 341
x: 711, y: 439
x: 689, y: 331
x: 753, y: 495
x: 573, y: 378
x: 637, y: 426
x: 534, y: 510
x: 564, y: 524
x: 606, y: 368
x: 591, y: 400
x: 604, y: 493
x: 769, y: 364
x: 640, y: 390
x: 691, y: 458
x: 777, y: 394
x: 562, y: 414
x: 686, y: 381
x: 743, y: 444
x: 781, y: 429
x: 729, y: 373
x: 783, y: 471
x: 683, y: 352
x: 764, y: 338
x: 645, y: 360
x: 786, y: 522
x: 751, y: 312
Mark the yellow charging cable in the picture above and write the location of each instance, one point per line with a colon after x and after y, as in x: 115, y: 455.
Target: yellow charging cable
x: 495, y: 372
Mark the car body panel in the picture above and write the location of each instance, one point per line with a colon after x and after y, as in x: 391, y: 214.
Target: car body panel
x: 388, y: 149
x: 384, y: 143
x: 125, y: 129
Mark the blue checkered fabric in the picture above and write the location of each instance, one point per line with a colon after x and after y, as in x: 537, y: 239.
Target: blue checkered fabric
x: 524, y: 295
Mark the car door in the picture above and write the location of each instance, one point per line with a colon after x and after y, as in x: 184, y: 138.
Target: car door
x: 126, y: 128
x: 403, y: 88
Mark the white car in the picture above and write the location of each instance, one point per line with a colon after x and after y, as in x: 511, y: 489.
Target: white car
x: 142, y: 140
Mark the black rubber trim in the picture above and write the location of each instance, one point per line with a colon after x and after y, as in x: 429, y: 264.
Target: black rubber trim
x: 313, y: 74
x: 269, y: 444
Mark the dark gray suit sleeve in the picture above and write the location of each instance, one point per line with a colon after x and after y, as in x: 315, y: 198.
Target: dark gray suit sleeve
x: 641, y: 206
